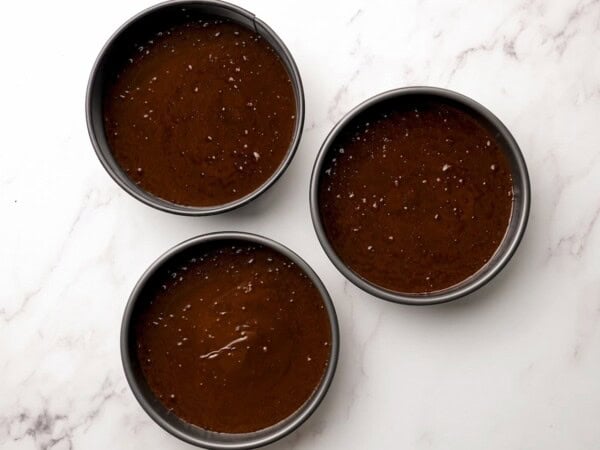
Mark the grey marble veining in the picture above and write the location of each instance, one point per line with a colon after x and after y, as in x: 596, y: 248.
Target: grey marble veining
x: 514, y: 366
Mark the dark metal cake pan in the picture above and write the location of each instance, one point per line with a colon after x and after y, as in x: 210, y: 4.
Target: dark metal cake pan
x: 520, y: 208
x: 190, y: 433
x: 124, y: 36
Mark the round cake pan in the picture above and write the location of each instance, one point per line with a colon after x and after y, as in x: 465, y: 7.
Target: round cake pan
x: 149, y: 18
x: 518, y: 219
x: 190, y: 433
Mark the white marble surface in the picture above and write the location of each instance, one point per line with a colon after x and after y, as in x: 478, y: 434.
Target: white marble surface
x: 514, y: 366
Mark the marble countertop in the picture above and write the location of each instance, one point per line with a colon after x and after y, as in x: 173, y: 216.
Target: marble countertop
x: 514, y: 366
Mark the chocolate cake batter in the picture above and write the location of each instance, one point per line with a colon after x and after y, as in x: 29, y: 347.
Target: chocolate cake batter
x: 201, y: 113
x: 232, y: 337
x: 416, y: 195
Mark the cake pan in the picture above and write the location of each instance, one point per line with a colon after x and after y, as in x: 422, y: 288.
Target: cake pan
x: 520, y: 207
x: 190, y: 433
x: 149, y: 18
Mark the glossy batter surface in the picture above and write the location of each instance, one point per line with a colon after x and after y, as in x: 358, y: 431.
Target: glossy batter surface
x: 233, y: 337
x: 416, y: 195
x: 201, y: 113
